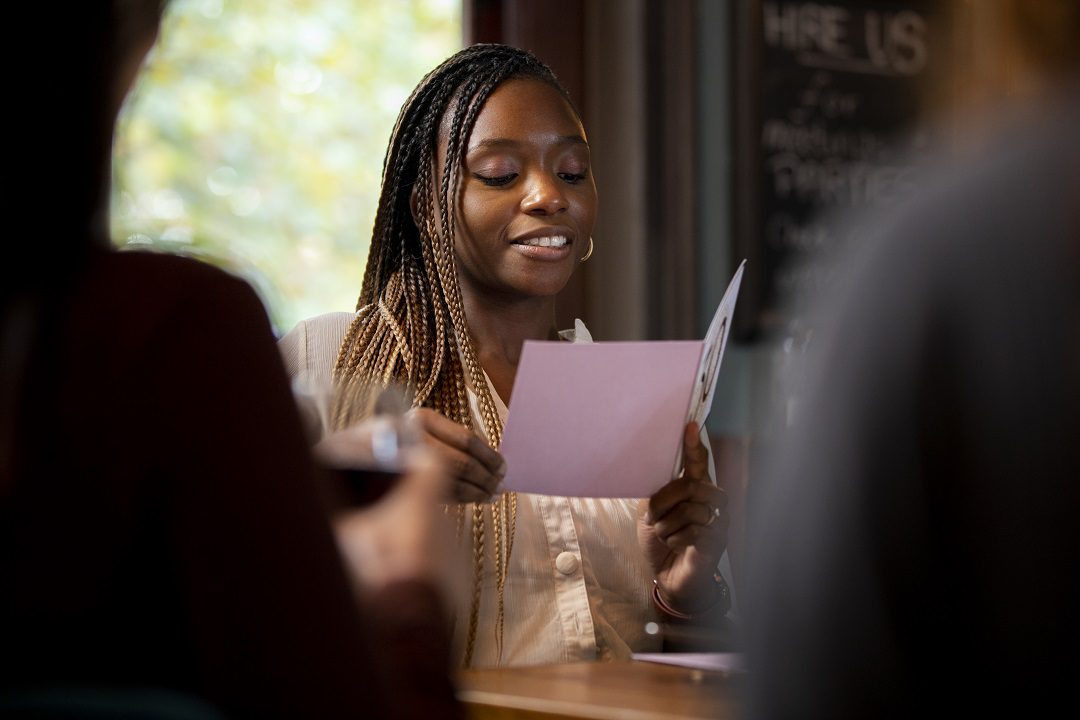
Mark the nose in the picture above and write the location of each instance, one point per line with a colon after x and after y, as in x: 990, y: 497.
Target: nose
x: 544, y: 195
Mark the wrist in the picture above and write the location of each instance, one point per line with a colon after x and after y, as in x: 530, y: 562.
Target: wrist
x: 718, y: 604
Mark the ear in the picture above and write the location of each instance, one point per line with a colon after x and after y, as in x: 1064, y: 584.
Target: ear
x: 414, y: 206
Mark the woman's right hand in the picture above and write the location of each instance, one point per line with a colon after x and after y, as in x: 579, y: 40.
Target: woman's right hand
x: 475, y: 468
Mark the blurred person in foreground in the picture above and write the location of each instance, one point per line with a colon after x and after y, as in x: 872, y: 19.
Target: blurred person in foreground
x: 913, y: 544
x: 164, y: 546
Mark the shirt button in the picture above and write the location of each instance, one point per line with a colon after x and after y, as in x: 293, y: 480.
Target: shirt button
x: 566, y: 563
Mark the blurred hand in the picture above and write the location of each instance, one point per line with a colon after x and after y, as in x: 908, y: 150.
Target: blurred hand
x: 683, y: 529
x: 406, y: 534
x: 475, y: 468
x: 351, y: 447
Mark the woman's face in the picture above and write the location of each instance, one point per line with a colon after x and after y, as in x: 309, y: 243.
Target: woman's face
x: 526, y: 202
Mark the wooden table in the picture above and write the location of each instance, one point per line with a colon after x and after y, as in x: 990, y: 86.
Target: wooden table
x: 623, y: 690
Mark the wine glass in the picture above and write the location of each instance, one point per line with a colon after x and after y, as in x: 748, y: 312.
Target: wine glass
x: 366, y: 457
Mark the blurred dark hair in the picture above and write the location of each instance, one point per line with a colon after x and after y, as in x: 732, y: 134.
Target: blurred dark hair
x: 61, y: 161
x: 64, y: 147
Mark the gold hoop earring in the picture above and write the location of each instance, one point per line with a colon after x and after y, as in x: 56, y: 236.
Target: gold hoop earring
x: 588, y: 254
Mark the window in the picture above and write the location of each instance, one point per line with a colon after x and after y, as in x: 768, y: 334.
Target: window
x: 255, y: 137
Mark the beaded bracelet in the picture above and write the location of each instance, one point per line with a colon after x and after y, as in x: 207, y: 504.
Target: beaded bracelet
x: 723, y: 598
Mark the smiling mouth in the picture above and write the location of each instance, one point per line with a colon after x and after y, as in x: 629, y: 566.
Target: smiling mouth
x: 552, y: 241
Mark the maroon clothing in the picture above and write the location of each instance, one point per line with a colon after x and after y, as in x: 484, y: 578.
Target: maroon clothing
x: 163, y: 528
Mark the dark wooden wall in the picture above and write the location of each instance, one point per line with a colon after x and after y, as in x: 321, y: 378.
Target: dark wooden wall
x: 672, y: 168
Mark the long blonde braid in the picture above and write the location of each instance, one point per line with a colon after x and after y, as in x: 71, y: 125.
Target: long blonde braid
x: 410, y: 327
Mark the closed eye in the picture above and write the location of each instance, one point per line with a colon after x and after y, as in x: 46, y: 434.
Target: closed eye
x: 572, y: 178
x: 496, y: 181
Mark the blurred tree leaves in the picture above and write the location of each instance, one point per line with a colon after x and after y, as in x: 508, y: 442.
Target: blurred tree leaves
x: 256, y: 133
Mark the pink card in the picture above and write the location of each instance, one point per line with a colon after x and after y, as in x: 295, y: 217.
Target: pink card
x: 606, y: 419
x: 598, y: 419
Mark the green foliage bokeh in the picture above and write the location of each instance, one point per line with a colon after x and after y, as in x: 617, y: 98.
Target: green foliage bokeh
x: 255, y: 137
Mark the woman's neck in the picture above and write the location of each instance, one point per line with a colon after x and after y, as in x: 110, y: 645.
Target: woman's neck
x: 499, y: 330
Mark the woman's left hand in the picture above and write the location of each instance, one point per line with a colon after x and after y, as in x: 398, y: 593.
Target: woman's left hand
x: 683, y: 529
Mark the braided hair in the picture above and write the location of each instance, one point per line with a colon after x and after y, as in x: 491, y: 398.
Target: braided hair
x: 410, y: 327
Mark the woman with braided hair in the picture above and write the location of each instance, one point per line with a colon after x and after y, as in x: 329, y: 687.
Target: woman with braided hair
x: 486, y: 210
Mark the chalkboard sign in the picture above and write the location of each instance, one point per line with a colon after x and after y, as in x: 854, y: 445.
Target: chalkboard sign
x: 830, y: 93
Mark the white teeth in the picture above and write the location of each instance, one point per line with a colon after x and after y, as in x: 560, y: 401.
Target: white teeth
x: 553, y: 241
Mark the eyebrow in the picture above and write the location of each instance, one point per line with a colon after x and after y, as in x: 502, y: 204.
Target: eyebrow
x: 507, y: 142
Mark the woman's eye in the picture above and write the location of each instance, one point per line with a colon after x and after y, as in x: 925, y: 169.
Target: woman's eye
x: 572, y: 178
x: 497, y: 180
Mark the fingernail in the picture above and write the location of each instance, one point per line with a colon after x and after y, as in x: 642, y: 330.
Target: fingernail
x: 501, y: 472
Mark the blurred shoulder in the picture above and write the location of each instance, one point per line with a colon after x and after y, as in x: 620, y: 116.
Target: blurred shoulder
x: 161, y: 279
x: 147, y: 289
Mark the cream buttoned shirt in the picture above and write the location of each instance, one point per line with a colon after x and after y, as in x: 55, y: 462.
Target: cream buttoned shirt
x: 578, y: 586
